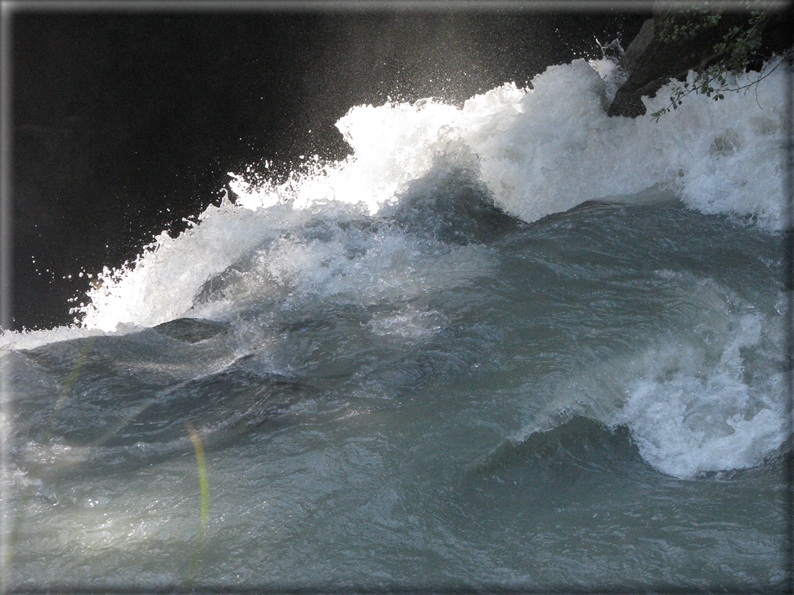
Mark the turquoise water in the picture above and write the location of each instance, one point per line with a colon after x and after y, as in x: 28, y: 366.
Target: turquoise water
x: 507, y: 372
x: 479, y: 432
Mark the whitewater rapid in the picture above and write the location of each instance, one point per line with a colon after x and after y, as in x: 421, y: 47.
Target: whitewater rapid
x: 340, y: 233
x: 539, y: 151
x: 510, y: 343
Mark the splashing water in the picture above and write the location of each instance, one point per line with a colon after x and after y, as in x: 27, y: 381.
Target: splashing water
x: 490, y: 329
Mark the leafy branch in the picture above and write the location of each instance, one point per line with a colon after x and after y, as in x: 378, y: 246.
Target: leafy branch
x: 739, y: 46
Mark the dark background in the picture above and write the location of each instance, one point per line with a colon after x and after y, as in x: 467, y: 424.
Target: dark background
x: 125, y: 123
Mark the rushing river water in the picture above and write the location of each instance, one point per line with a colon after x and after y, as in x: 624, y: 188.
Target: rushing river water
x: 517, y: 343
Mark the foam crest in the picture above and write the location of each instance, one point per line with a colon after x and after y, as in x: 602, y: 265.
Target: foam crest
x: 27, y: 339
x: 708, y: 396
x: 392, y: 145
x: 342, y: 261
x: 549, y: 148
x: 162, y: 283
x: 561, y: 148
x: 538, y: 151
x: 688, y: 419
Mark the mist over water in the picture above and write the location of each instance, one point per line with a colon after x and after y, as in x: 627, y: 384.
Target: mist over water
x: 511, y: 342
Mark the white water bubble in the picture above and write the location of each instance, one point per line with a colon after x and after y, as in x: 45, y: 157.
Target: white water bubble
x: 538, y: 151
x: 689, y: 417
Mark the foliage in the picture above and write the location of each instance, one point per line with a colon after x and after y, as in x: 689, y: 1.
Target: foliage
x: 681, y: 26
x: 734, y: 53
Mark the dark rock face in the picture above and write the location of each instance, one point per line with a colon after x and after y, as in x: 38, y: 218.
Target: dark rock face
x: 650, y: 62
x: 635, y: 63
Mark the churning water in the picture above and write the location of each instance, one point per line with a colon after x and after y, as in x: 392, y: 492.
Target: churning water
x: 511, y: 343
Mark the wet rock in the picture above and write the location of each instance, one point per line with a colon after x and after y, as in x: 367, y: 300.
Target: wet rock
x: 651, y: 62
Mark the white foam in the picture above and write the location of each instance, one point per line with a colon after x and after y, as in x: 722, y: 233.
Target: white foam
x: 162, y: 284
x: 707, y: 396
x: 14, y: 340
x: 409, y: 324
x: 613, y: 76
x: 349, y: 266
x: 547, y: 149
x: 539, y: 151
x: 698, y: 418
x: 561, y: 149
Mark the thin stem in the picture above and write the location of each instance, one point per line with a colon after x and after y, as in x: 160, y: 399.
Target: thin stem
x: 204, y: 492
